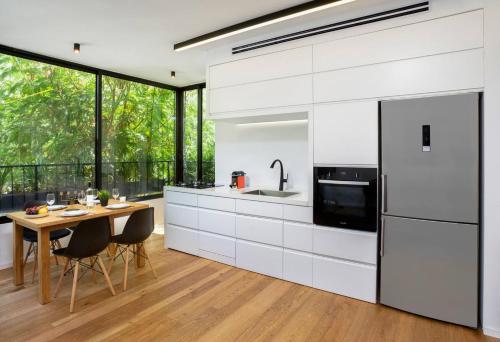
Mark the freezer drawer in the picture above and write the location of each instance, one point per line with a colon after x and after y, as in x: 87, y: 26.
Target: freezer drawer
x: 430, y: 268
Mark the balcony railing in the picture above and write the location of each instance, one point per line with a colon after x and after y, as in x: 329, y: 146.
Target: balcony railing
x: 21, y: 183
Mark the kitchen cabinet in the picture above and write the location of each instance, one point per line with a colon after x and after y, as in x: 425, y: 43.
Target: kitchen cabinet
x: 183, y: 216
x: 218, y: 244
x: 345, y: 278
x: 259, y: 229
x: 298, y: 236
x: 257, y: 208
x: 298, y: 213
x: 217, y: 222
x: 260, y: 258
x: 346, y: 133
x: 182, y: 239
x: 297, y: 267
x: 345, y: 244
x: 182, y: 198
x: 217, y: 203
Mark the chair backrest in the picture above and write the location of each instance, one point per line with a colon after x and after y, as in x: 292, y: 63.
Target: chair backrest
x: 89, y: 238
x: 139, y: 226
x: 33, y: 203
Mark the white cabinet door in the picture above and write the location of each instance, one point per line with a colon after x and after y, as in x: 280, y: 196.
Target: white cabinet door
x: 346, y: 133
x: 218, y: 244
x: 180, y: 215
x: 345, y: 244
x: 346, y: 278
x: 298, y: 236
x: 182, y: 198
x: 218, y: 222
x: 298, y: 213
x: 263, y: 67
x: 259, y: 258
x: 217, y: 203
x: 259, y: 229
x: 291, y: 91
x: 256, y: 208
x: 182, y: 239
x: 297, y: 267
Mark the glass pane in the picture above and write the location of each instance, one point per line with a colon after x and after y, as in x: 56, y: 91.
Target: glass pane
x: 47, y: 127
x: 138, y: 127
x: 190, y: 135
x: 208, y: 145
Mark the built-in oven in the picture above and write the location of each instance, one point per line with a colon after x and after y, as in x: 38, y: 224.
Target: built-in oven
x: 346, y: 197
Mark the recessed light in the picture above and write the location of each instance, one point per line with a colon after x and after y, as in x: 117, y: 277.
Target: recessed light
x: 172, y: 74
x: 265, y: 20
x: 76, y: 48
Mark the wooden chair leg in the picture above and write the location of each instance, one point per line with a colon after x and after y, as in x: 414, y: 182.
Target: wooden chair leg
x: 125, y: 274
x: 35, y: 258
x: 58, y: 286
x: 106, y: 275
x: 73, y: 289
x: 112, y: 260
x: 28, y: 253
x: 92, y: 265
x: 53, y: 245
x: 149, y: 261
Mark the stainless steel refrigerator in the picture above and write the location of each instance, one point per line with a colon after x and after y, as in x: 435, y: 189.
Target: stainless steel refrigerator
x: 429, y: 241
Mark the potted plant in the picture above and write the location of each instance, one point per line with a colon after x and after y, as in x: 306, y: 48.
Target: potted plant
x: 104, y: 197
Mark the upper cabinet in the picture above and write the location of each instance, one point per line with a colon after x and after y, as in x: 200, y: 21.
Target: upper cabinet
x: 346, y: 133
x: 278, y: 79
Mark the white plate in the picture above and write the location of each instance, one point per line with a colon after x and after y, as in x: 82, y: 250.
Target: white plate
x: 72, y: 213
x: 118, y: 206
x: 35, y: 216
x: 56, y: 207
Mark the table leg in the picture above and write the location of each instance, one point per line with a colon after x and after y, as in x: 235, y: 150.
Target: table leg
x: 43, y: 266
x: 18, y: 251
x: 139, y: 256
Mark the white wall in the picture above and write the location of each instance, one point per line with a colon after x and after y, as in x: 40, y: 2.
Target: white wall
x: 6, y: 233
x: 253, y: 148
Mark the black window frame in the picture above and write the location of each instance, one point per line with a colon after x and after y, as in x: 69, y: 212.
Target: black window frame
x: 99, y: 73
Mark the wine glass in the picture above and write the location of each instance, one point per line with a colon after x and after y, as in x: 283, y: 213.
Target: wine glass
x: 82, y: 199
x: 116, y: 193
x: 51, y: 198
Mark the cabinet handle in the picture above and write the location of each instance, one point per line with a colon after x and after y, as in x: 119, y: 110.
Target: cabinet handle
x: 382, y: 238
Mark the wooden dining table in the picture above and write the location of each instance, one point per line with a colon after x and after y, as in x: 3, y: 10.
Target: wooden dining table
x: 44, y: 225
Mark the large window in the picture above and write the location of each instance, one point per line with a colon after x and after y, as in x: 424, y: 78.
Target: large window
x: 138, y: 137
x: 47, y: 129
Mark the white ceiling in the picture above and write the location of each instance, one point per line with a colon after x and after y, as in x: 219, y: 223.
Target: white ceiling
x: 136, y: 37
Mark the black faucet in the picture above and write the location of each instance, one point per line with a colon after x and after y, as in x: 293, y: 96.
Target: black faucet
x: 282, y: 180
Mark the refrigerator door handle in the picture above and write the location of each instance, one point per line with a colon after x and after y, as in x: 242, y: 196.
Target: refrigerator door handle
x: 383, y: 179
x: 382, y: 237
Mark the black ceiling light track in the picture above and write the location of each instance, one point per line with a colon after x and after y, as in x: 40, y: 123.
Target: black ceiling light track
x: 368, y: 19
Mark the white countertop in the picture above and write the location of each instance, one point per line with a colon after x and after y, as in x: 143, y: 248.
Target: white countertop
x: 301, y: 198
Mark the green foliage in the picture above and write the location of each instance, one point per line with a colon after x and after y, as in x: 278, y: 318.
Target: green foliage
x: 104, y: 195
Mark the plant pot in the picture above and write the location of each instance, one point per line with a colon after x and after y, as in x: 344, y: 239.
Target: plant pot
x: 104, y: 203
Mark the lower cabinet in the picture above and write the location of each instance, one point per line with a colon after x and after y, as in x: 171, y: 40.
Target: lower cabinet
x: 182, y: 239
x: 346, y: 278
x: 260, y: 258
x: 298, y: 267
x: 218, y: 244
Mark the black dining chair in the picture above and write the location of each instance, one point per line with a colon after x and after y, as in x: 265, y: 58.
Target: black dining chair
x: 137, y: 230
x: 89, y: 238
x: 31, y: 237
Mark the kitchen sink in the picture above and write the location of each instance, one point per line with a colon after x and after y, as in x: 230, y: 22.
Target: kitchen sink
x: 272, y: 193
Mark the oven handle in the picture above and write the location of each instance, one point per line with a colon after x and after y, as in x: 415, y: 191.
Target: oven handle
x: 325, y: 181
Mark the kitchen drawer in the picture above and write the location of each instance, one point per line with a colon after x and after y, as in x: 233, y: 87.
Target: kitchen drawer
x: 217, y: 222
x: 180, y: 215
x: 297, y: 267
x: 298, y: 213
x: 218, y: 244
x: 259, y: 258
x: 256, y: 208
x: 345, y: 278
x: 345, y: 244
x: 182, y: 239
x: 217, y: 257
x: 217, y: 203
x: 182, y: 198
x: 259, y: 229
x: 298, y: 236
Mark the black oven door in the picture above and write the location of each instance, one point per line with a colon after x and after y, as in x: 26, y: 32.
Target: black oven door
x: 346, y: 204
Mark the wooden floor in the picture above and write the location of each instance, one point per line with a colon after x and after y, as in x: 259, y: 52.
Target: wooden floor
x: 196, y: 299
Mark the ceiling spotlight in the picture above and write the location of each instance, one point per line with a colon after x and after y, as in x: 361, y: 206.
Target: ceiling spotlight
x: 76, y: 48
x: 172, y: 74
